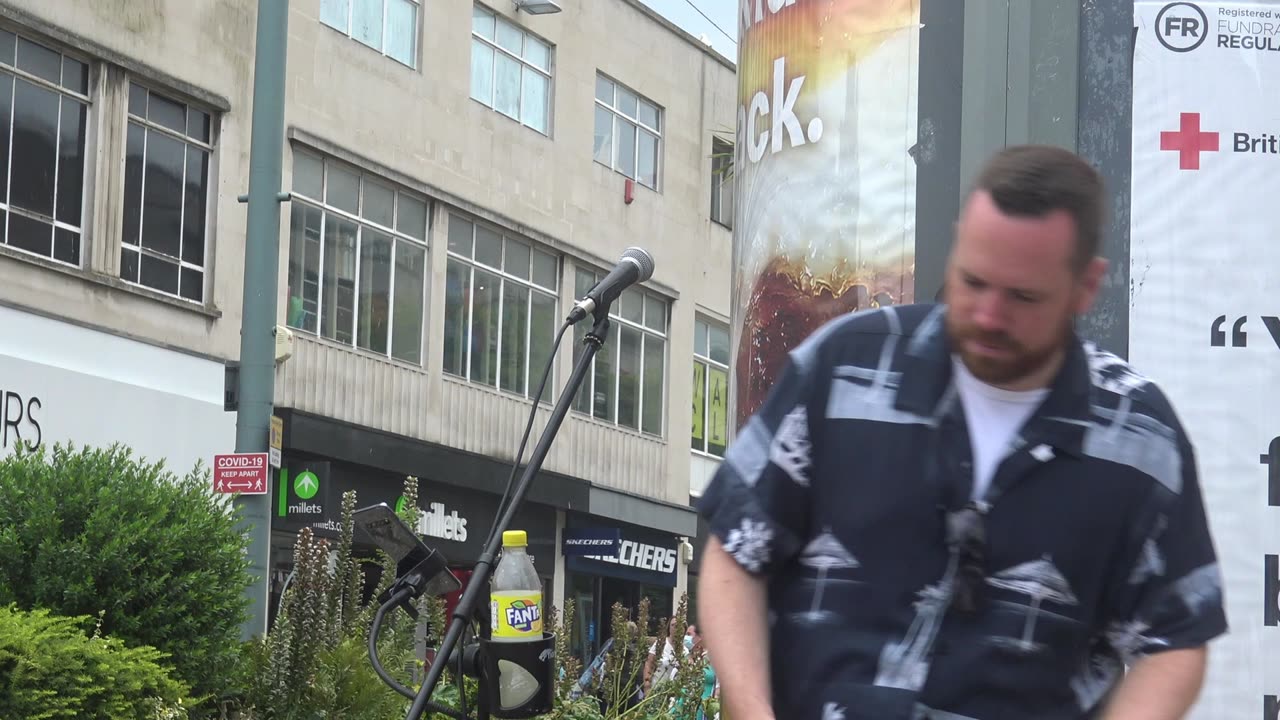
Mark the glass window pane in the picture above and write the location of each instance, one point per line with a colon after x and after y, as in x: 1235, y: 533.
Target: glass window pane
x: 717, y: 410
x: 30, y: 235
x: 198, y: 124
x: 655, y: 314
x: 649, y: 115
x: 343, y: 191
x: 75, y: 76
x: 39, y: 60
x: 698, y: 436
x: 168, y: 113
x: 8, y: 42
x: 542, y: 331
x: 517, y: 260
x: 374, y: 323
x: 537, y: 53
x: 338, y: 293
x: 482, y: 22
x: 700, y: 330
x: 411, y: 217
x: 628, y: 377
x: 159, y: 274
x: 582, y: 401
x: 6, y: 120
x: 506, y: 96
x: 627, y: 102
x: 308, y: 175
x: 486, y: 291
x: 303, y: 291
x: 191, y: 284
x: 137, y: 100
x: 128, y: 265
x: 457, y: 301
x: 334, y: 13
x: 482, y: 72
x: 654, y: 371
x: 626, y: 163
x: 133, y: 164
x: 647, y: 172
x: 407, y: 306
x: 402, y: 31
x: 71, y: 144
x: 488, y: 247
x: 603, y: 151
x: 66, y: 247
x: 545, y: 272
x: 35, y: 150
x: 605, y: 382
x: 583, y: 281
x: 195, y: 194
x: 379, y: 204
x: 509, y: 37
x: 515, y: 328
x: 459, y: 236
x: 162, y: 195
x: 366, y: 22
x: 604, y: 90
x: 720, y: 344
x: 533, y: 99
x: 630, y: 305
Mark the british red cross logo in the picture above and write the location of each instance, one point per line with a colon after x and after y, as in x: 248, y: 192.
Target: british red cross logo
x: 1189, y: 141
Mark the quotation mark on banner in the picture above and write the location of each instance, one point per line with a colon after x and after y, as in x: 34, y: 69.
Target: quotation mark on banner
x: 1239, y: 337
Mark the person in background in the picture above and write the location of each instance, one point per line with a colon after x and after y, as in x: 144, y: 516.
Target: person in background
x: 963, y: 510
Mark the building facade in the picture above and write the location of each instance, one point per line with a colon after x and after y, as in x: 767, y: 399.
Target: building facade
x: 458, y: 174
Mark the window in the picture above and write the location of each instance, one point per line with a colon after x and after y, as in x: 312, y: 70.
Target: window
x: 166, y: 192
x: 628, y: 132
x: 44, y: 109
x: 357, y: 259
x: 722, y: 182
x: 500, y: 309
x: 710, y: 387
x: 388, y: 26
x: 510, y: 70
x: 626, y: 382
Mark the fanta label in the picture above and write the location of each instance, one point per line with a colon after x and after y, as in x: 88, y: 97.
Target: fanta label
x: 516, y: 615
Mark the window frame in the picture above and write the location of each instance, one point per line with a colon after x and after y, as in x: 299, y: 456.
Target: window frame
x: 722, y: 159
x: 495, y: 48
x: 613, y: 343
x: 90, y: 163
x: 362, y: 224
x: 703, y: 356
x: 532, y: 375
x: 416, y: 53
x: 210, y: 194
x: 618, y: 115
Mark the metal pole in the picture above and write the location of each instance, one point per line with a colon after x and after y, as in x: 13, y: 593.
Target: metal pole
x: 261, y: 265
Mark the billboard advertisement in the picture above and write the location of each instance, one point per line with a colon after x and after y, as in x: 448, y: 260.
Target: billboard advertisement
x: 825, y: 178
x: 1205, y: 300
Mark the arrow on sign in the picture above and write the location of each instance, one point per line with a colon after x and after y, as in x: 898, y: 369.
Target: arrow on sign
x: 246, y: 485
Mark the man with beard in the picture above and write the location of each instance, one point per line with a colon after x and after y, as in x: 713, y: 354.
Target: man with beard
x: 962, y: 510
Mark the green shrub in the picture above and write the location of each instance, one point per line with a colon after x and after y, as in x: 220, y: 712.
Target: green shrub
x: 92, y: 531
x: 50, y: 669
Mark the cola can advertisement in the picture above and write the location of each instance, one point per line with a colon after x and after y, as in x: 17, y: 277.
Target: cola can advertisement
x: 824, y: 178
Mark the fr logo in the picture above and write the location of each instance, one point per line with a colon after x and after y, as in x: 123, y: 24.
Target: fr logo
x: 1188, y: 141
x: 1181, y: 26
x: 1239, y: 337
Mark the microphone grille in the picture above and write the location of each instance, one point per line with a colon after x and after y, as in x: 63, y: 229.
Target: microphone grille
x: 643, y: 259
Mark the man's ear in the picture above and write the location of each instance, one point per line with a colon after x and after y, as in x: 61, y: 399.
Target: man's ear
x: 1090, y: 283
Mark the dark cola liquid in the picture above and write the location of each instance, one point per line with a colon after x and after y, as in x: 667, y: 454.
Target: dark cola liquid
x: 787, y: 304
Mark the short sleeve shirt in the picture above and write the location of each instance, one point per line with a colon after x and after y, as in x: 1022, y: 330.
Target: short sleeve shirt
x: 836, y: 491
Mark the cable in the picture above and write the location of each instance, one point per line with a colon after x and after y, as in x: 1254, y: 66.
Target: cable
x: 374, y: 630
x: 713, y: 22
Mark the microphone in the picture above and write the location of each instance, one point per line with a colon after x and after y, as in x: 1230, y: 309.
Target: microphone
x: 634, y: 266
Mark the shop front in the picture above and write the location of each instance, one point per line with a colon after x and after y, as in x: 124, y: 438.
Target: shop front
x: 608, y: 563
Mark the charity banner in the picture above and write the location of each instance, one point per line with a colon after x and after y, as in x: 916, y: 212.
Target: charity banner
x: 824, y: 178
x: 1205, y: 299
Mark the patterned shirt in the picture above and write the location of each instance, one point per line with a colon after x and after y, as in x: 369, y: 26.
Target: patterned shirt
x: 837, y: 491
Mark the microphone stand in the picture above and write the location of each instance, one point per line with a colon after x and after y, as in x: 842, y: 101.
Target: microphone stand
x: 479, y: 582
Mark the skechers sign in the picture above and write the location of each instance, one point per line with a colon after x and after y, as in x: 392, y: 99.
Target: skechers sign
x: 642, y: 559
x: 592, y: 542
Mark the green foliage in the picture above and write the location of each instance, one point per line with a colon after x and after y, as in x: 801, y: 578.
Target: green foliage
x: 51, y: 670
x: 92, y: 531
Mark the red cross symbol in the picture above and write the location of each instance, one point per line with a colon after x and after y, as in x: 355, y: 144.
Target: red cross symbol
x: 1189, y: 141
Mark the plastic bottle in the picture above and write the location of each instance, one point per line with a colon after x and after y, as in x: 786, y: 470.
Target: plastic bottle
x: 515, y: 607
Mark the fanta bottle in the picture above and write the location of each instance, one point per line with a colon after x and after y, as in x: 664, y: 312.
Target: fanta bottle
x: 515, y: 609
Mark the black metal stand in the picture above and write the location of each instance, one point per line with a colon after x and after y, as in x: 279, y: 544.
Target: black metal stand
x: 478, y: 585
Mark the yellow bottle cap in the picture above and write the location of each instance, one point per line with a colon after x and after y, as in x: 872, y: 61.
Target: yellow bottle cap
x: 515, y: 538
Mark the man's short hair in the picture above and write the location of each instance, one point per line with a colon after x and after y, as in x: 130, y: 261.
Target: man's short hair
x: 1035, y: 180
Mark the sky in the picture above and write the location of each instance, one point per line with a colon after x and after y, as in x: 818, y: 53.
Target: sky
x: 722, y: 13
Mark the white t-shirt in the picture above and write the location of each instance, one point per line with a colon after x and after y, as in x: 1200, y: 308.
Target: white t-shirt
x: 994, y: 416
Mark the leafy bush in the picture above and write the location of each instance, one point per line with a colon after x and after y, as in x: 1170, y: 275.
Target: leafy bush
x: 50, y: 669
x: 92, y: 531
